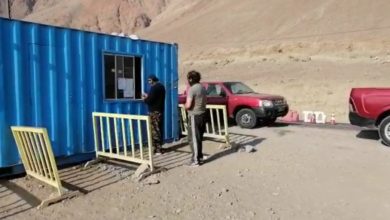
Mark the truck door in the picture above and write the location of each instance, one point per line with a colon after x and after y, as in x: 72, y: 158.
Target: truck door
x: 216, y: 94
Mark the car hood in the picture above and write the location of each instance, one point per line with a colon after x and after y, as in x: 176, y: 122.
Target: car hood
x: 261, y: 96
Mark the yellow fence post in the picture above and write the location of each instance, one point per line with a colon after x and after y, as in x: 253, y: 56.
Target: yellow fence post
x: 123, y: 152
x: 38, y: 159
x: 218, y: 131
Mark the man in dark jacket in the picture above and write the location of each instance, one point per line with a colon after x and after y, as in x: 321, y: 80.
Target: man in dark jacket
x: 155, y: 100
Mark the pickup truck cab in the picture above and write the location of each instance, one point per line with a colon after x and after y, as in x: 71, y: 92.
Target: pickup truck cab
x: 244, y: 105
x: 370, y: 107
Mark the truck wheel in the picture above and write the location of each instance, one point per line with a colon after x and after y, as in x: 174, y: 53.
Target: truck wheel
x: 384, y: 130
x: 246, y: 118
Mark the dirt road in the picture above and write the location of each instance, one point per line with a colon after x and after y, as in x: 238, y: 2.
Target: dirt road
x: 297, y: 172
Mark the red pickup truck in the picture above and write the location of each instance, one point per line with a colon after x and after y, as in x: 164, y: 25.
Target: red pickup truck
x: 243, y: 104
x: 370, y: 107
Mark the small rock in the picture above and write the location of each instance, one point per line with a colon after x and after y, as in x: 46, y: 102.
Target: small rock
x: 225, y: 190
x: 252, y: 213
x: 152, y: 180
x: 375, y: 58
x: 41, y: 186
x: 275, y: 193
x: 104, y: 167
x: 212, y: 181
x: 152, y: 216
x: 143, y: 168
x: 249, y: 149
x: 272, y: 211
x: 241, y: 149
x: 306, y: 59
x: 178, y: 211
x: 230, y: 203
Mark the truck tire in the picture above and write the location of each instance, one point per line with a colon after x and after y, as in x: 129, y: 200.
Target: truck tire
x: 384, y: 130
x: 246, y: 118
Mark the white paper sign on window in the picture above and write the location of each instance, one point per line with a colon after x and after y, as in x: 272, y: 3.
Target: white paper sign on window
x: 121, y: 83
x: 128, y: 91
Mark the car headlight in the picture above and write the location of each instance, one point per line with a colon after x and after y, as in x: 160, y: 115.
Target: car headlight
x: 265, y: 103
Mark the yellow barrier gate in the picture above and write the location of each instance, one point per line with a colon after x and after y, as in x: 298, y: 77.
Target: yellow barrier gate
x: 217, y: 127
x: 123, y: 137
x: 38, y: 160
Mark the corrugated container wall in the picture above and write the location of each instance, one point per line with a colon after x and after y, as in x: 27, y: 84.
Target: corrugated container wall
x: 53, y: 77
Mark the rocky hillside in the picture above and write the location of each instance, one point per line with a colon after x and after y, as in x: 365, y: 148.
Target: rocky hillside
x: 278, y: 26
x: 217, y: 26
x: 95, y: 15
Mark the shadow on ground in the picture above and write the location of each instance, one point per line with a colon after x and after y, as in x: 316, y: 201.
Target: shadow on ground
x: 15, y: 199
x: 176, y: 156
x: 20, y: 195
x: 368, y: 134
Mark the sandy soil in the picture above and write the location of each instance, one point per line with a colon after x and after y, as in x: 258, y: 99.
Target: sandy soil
x: 297, y: 172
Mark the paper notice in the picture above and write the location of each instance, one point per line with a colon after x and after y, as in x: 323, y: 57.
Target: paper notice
x: 129, y: 88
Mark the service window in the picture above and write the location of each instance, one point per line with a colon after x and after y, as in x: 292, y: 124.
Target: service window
x: 122, y: 77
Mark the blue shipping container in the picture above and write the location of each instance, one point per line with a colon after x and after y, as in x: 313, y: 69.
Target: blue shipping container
x: 56, y: 77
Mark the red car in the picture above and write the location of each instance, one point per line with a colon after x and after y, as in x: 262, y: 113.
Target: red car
x: 370, y: 107
x: 243, y: 104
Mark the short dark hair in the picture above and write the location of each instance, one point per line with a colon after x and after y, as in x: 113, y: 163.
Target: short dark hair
x: 194, y: 76
x: 153, y: 78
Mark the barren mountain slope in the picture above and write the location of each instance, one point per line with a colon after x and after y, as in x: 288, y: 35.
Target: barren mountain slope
x: 95, y: 15
x: 257, y: 24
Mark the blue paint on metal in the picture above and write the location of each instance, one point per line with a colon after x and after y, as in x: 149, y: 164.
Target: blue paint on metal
x: 53, y: 77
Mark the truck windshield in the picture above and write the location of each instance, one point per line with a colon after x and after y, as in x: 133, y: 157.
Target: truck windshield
x: 238, y: 88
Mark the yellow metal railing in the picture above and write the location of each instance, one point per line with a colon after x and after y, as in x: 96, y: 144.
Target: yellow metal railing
x: 123, y: 137
x: 38, y: 159
x: 37, y: 155
x: 217, y: 127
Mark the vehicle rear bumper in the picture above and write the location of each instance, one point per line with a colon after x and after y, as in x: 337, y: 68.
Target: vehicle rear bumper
x: 273, y: 112
x: 356, y: 119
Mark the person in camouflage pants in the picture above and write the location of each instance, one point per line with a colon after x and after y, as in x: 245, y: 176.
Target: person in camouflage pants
x: 155, y: 100
x: 157, y: 128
